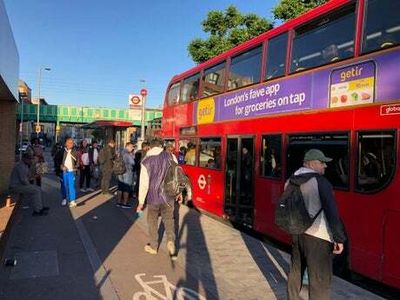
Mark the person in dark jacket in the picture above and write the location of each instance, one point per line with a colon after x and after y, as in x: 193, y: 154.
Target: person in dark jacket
x: 84, y: 166
x: 106, y: 158
x: 313, y: 249
x: 65, y: 165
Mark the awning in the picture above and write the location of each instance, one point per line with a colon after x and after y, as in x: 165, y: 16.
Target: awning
x: 107, y: 123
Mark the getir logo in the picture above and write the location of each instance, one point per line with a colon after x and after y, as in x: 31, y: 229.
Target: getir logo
x: 206, y: 111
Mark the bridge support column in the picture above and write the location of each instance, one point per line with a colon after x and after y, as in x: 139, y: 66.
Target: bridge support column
x: 57, y: 132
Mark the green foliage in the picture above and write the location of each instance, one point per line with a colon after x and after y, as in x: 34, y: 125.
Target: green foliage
x: 227, y: 29
x: 289, y: 9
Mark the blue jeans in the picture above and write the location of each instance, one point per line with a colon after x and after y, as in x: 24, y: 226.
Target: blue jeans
x: 68, y: 190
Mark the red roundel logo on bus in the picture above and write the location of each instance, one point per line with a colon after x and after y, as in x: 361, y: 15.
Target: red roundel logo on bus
x: 135, y: 100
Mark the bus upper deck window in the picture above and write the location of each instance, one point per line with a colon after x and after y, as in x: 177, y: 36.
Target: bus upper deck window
x: 375, y: 160
x: 381, y: 32
x: 324, y: 40
x: 214, y: 80
x: 173, y: 94
x: 276, y: 56
x: 245, y: 68
x: 190, y: 88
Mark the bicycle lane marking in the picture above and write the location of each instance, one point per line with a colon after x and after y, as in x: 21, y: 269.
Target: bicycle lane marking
x: 169, y: 292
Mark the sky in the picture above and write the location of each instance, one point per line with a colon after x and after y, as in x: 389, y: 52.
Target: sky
x: 99, y: 51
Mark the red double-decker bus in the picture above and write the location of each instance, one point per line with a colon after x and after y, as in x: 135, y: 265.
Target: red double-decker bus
x: 329, y: 79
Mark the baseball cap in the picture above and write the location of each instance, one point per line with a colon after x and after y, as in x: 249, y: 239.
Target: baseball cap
x: 315, y: 154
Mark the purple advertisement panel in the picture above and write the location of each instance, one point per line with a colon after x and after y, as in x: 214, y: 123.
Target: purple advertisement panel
x: 365, y: 81
x: 282, y: 96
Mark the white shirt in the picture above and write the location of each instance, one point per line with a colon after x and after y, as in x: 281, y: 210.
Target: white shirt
x: 95, y: 155
x: 69, y: 162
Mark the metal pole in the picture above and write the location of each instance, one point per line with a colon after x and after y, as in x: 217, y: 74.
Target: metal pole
x: 38, y: 103
x: 142, y: 127
x: 142, y: 133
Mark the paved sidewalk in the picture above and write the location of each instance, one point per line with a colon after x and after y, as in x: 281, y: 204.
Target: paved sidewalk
x: 95, y: 251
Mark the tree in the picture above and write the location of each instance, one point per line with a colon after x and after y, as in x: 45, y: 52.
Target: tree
x: 227, y: 29
x: 289, y: 9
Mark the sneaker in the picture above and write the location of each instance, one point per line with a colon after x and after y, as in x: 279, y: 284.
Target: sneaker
x: 126, y: 206
x: 90, y: 190
x: 171, y: 248
x: 72, y: 204
x: 45, y: 208
x: 83, y: 190
x: 118, y: 204
x: 64, y: 202
x: 149, y: 249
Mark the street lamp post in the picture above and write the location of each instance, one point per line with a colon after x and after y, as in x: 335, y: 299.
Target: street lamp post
x: 38, y: 100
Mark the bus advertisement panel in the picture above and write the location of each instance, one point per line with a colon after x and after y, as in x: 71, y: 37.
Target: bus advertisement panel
x: 358, y: 83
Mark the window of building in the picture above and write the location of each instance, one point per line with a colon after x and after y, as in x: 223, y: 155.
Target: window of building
x: 214, y: 80
x: 270, y: 164
x: 325, y: 40
x: 381, y: 25
x: 245, y: 68
x: 276, y: 56
x: 173, y: 94
x: 375, y: 160
x: 333, y: 145
x: 187, y: 151
x: 210, y: 153
x: 190, y: 89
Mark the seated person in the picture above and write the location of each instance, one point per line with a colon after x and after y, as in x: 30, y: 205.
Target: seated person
x: 371, y: 169
x: 190, y: 157
x: 19, y: 183
x: 330, y: 53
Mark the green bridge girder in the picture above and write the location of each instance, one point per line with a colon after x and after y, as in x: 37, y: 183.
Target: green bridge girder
x: 81, y: 114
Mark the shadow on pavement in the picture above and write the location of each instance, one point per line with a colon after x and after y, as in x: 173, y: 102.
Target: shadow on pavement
x: 198, y: 264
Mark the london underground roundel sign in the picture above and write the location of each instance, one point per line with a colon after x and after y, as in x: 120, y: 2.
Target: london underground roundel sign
x: 135, y: 100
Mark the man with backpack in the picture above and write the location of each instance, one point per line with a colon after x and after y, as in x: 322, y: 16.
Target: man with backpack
x: 319, y: 234
x: 159, y: 171
x: 106, y: 158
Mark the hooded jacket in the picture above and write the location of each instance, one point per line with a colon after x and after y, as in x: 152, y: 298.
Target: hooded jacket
x: 318, y: 193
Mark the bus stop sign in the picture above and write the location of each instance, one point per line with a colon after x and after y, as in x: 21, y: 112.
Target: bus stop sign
x: 143, y: 92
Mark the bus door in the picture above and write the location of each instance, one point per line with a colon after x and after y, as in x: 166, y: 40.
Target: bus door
x: 239, y: 180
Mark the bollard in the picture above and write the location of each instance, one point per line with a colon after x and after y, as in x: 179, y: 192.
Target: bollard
x: 8, y: 201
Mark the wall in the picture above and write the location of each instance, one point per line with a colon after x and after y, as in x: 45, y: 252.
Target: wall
x: 8, y: 140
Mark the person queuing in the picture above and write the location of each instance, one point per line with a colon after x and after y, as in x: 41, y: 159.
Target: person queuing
x: 84, y: 166
x: 139, y: 156
x: 106, y: 158
x: 314, y: 248
x: 36, y: 151
x: 153, y: 171
x: 19, y: 183
x: 94, y: 159
x: 125, y: 181
x: 66, y: 162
